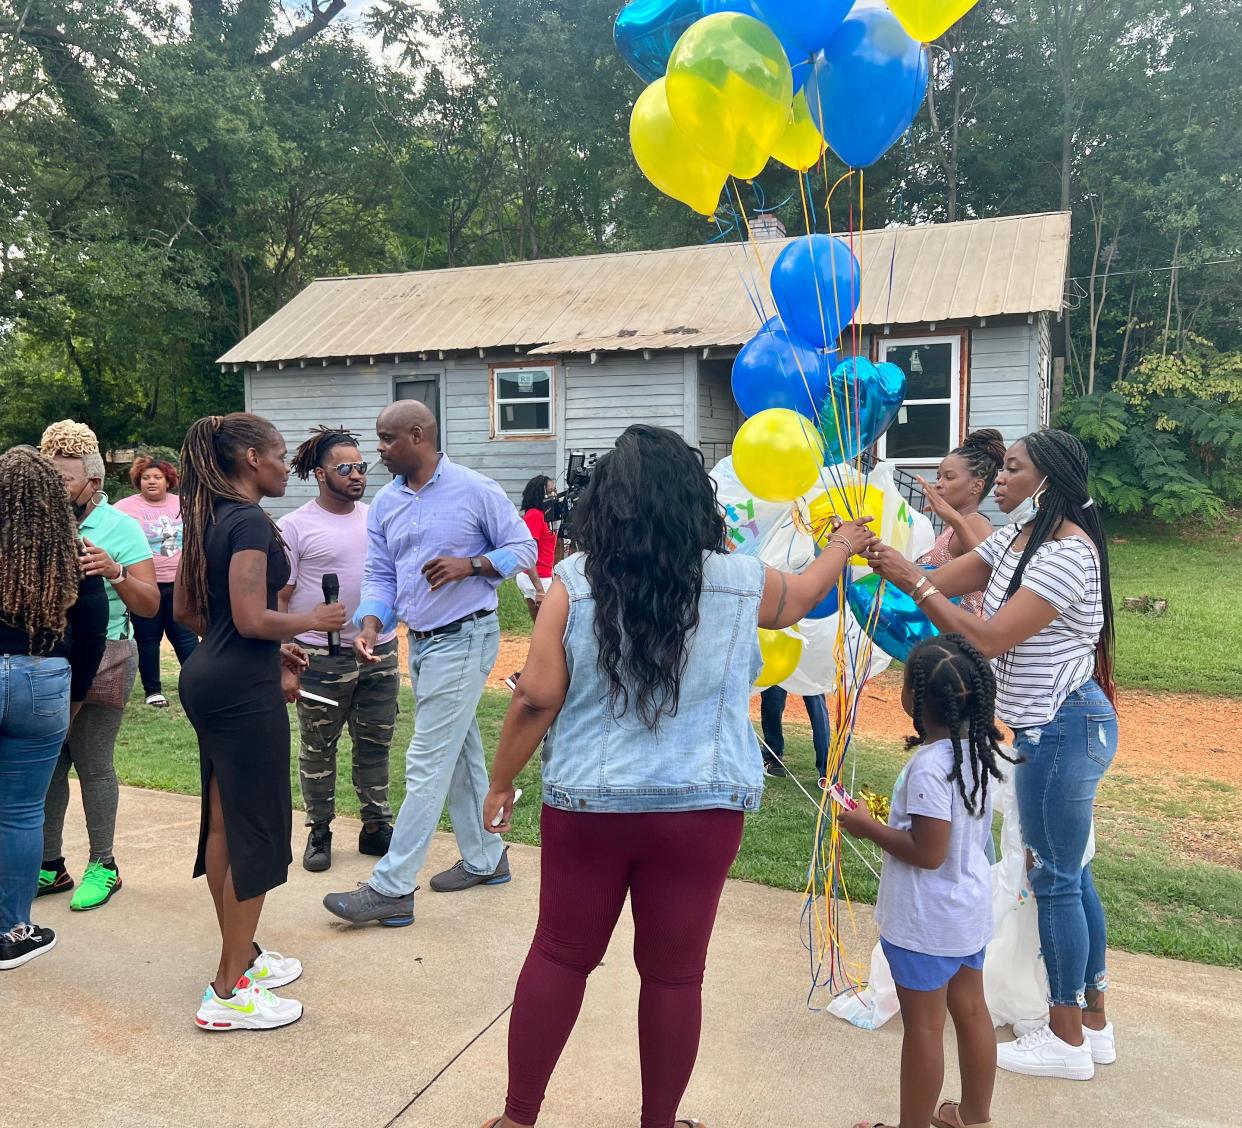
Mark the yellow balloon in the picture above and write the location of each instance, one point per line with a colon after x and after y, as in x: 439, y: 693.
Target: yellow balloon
x: 800, y: 145
x: 926, y: 20
x: 778, y: 454
x: 781, y: 654
x: 847, y: 504
x: 729, y: 89
x: 666, y: 156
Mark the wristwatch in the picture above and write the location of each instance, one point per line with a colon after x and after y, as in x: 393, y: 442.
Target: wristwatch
x: 476, y: 565
x: 116, y: 581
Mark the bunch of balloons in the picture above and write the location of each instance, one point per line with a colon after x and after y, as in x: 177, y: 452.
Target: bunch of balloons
x: 733, y: 83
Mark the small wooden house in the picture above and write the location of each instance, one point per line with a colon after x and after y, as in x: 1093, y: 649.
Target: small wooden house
x: 523, y: 362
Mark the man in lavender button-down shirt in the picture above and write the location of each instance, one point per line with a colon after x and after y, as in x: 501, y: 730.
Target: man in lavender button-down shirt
x: 440, y: 539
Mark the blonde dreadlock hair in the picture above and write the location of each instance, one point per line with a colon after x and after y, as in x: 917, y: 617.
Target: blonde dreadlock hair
x: 214, y: 449
x: 40, y: 577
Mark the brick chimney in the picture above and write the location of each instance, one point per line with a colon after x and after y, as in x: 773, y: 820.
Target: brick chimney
x: 766, y: 226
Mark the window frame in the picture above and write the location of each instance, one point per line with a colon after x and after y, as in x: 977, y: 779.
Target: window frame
x: 958, y: 399
x: 495, y: 432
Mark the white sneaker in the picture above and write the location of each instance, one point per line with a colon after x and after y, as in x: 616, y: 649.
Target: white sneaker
x: 1042, y: 1054
x: 272, y: 970
x: 1103, y: 1042
x: 251, y: 1007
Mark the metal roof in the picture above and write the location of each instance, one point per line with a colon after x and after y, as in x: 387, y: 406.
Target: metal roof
x: 685, y: 297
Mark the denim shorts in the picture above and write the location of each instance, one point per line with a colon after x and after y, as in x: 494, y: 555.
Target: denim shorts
x: 917, y: 971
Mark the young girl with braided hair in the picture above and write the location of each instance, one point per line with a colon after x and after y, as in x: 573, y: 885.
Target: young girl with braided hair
x: 233, y: 689
x: 1047, y: 626
x: 935, y: 903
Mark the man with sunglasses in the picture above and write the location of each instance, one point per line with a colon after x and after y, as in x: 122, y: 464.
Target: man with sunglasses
x: 328, y: 536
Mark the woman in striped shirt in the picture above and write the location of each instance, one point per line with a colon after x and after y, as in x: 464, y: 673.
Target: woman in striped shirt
x: 1048, y: 627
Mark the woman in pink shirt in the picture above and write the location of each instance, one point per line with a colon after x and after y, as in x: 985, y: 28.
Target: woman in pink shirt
x: 158, y: 510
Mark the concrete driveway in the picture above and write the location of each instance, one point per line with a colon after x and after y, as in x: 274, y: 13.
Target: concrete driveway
x: 407, y: 1027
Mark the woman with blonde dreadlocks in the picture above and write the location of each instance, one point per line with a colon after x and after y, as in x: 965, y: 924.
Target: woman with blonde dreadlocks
x: 233, y: 566
x: 52, y: 625
x: 114, y: 547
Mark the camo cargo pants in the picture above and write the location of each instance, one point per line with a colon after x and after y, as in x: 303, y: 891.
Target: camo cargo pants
x: 368, y: 705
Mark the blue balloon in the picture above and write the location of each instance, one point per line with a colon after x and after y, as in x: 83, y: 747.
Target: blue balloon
x: 777, y: 370
x: 647, y: 30
x: 830, y: 606
x: 898, y: 625
x: 868, y: 86
x: 799, y: 57
x: 815, y: 284
x: 807, y: 24
x: 863, y: 401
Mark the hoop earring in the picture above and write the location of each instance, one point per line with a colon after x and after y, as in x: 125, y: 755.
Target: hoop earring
x: 100, y: 498
x: 1038, y: 495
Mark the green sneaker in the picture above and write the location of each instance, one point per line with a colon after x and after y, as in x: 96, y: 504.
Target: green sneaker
x: 98, y: 884
x: 53, y: 881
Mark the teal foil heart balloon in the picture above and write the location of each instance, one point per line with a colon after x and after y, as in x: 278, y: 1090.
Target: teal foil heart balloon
x: 862, y: 403
x: 646, y: 31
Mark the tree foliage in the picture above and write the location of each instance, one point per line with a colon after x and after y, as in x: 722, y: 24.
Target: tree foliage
x: 172, y: 171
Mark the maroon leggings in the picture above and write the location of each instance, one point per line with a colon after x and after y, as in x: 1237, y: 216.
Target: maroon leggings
x: 673, y: 866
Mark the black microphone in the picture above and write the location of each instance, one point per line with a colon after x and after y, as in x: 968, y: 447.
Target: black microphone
x: 331, y: 593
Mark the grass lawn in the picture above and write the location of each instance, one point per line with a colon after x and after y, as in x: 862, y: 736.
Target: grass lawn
x: 1193, y: 647
x: 1157, y: 903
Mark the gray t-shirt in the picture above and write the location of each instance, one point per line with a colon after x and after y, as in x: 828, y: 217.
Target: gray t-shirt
x: 945, y: 911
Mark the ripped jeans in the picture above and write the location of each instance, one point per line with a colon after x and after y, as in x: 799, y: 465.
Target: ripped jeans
x: 1056, y: 784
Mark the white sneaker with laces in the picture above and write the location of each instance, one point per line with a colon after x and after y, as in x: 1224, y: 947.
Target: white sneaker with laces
x: 1042, y: 1054
x: 272, y: 970
x: 250, y: 1007
x: 1103, y: 1042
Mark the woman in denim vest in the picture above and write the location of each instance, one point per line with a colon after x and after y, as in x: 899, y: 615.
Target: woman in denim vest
x: 642, y: 662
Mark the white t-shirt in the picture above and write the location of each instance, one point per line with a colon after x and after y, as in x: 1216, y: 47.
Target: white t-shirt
x: 945, y: 911
x: 1035, y: 677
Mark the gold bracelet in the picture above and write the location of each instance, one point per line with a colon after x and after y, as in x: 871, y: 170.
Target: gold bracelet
x: 840, y: 542
x: 922, y: 580
x: 931, y: 590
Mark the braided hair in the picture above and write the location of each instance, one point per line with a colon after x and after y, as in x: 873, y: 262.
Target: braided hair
x: 1062, y: 460
x: 984, y: 454
x: 214, y: 449
x: 40, y: 577
x: 952, y: 684
x: 310, y: 455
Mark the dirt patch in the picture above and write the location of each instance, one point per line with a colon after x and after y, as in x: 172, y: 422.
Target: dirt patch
x: 1162, y: 734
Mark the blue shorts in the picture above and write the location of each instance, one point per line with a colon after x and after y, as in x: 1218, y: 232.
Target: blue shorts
x: 917, y: 971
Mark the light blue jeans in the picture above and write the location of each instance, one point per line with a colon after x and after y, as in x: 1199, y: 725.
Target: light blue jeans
x: 1064, y: 761
x: 34, y: 718
x: 445, y: 757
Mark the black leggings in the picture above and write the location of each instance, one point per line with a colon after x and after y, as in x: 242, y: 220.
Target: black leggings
x: 149, y: 634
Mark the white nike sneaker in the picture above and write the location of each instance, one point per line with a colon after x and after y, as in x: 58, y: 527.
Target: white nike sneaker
x: 1103, y: 1042
x: 250, y: 1007
x: 272, y: 970
x: 1042, y: 1054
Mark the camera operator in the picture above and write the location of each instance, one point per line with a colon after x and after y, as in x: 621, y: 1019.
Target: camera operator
x: 533, y: 582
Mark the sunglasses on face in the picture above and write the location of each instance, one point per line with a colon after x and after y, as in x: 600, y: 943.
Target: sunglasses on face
x: 344, y: 469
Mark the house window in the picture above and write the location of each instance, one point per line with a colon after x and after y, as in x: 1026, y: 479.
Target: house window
x: 521, y: 402
x: 929, y: 424
x: 425, y: 389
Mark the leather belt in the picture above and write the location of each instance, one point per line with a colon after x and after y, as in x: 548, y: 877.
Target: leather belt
x: 450, y: 628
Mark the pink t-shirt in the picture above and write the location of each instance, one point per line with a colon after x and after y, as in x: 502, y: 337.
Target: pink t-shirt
x: 320, y: 542
x: 161, y: 524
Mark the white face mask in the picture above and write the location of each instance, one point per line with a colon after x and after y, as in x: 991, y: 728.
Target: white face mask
x: 1027, y: 510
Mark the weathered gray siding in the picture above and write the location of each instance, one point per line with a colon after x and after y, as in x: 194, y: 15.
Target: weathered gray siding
x: 1043, y: 369
x: 719, y: 418
x: 1002, y: 379
x: 602, y: 399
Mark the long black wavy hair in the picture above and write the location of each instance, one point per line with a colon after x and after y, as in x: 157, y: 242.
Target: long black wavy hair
x: 535, y: 494
x: 644, y: 522
x: 952, y: 683
x: 1062, y: 459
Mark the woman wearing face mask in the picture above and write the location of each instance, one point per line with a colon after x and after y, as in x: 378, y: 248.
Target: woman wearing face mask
x: 114, y: 547
x: 158, y: 510
x: 963, y: 480
x: 1048, y: 627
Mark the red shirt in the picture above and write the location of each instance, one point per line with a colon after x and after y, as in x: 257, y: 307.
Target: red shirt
x: 545, y: 538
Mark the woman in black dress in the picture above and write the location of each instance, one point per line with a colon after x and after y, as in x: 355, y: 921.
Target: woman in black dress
x: 234, y: 688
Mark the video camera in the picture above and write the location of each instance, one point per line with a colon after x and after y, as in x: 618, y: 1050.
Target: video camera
x: 577, y: 475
